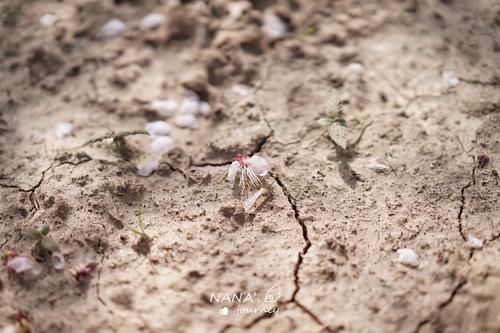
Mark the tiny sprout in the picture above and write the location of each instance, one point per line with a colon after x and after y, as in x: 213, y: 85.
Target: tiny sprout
x: 117, y: 140
x: 44, y: 246
x: 249, y: 170
x: 141, y: 231
x: 335, y: 121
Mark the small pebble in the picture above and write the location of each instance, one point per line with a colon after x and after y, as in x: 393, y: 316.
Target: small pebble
x: 113, y: 28
x: 450, y: 78
x: 186, y: 121
x: 63, y: 130
x: 408, y: 257
x: 161, y: 144
x: 153, y: 20
x: 48, y: 20
x: 274, y: 27
x: 165, y: 108
x: 474, y: 243
x: 158, y: 128
x: 148, y: 168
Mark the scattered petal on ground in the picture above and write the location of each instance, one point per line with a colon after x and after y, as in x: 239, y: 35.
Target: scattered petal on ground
x: 186, y: 121
x: 63, y: 130
x: 158, y: 128
x: 408, y: 257
x: 165, y: 108
x: 20, y: 264
x: 474, y: 243
x: 161, y: 144
x: 113, y: 28
x: 153, y: 20
x: 148, y: 168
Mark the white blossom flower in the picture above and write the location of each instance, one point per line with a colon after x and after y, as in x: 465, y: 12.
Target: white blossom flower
x: 19, y: 264
x: 205, y: 108
x: 249, y: 169
x: 186, y: 121
x: 474, y: 243
x: 113, y: 28
x: 158, y: 128
x: 165, y: 108
x: 408, y: 257
x: 63, y: 130
x: 161, y: 144
x: 153, y: 20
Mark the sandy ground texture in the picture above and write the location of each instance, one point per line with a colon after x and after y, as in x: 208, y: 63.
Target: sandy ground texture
x: 320, y: 254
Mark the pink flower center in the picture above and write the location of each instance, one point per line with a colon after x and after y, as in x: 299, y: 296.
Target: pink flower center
x: 242, y: 160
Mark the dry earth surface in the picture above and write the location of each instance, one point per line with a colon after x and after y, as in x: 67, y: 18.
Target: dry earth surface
x: 327, y: 236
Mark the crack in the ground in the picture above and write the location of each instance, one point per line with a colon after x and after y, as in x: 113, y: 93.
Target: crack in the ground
x: 462, y: 199
x: 174, y: 169
x: 3, y: 244
x: 293, y: 203
x: 257, y: 149
x: 494, y: 82
x: 441, y: 306
x: 34, y: 203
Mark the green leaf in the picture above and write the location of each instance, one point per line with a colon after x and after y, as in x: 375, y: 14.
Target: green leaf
x: 31, y: 233
x: 337, y: 133
x: 45, y: 230
x: 48, y: 244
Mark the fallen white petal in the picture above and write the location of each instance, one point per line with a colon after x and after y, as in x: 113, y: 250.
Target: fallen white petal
x: 113, y: 28
x: 355, y: 68
x: 190, y: 106
x: 242, y: 89
x: 474, y: 243
x: 10, y: 329
x: 166, y: 108
x: 236, y: 8
x: 153, y: 20
x: 451, y: 78
x: 58, y: 260
x: 148, y: 168
x: 48, y: 20
x: 161, y: 144
x: 255, y: 200
x: 205, y: 108
x: 408, y: 257
x: 273, y: 26
x: 233, y: 170
x: 377, y: 167
x: 258, y: 165
x: 159, y: 128
x: 63, y: 130
x: 186, y: 121
x: 20, y: 264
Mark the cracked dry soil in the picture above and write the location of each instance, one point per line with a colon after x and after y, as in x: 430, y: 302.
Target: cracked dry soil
x: 329, y: 233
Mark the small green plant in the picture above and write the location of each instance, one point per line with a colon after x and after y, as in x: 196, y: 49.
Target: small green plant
x: 335, y: 121
x: 117, y: 140
x: 141, y: 232
x: 44, y: 244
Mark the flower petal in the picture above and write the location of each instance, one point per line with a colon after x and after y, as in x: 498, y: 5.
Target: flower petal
x: 20, y: 264
x: 58, y: 260
x: 258, y: 165
x: 233, y: 170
